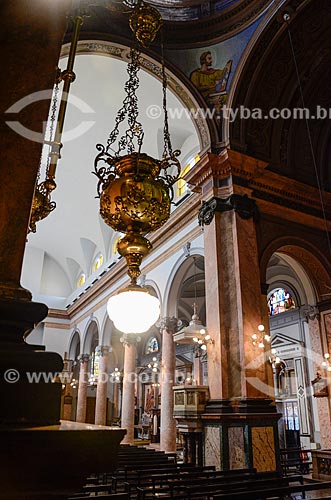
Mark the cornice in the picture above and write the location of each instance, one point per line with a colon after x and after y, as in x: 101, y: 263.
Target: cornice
x: 252, y: 174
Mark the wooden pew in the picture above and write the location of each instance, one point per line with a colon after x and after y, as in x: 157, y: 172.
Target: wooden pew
x: 280, y: 492
x: 149, y: 482
x: 199, y: 486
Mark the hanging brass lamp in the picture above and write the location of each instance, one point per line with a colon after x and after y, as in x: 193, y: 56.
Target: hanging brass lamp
x: 135, y: 189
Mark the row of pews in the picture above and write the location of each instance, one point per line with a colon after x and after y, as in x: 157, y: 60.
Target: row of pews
x: 146, y: 474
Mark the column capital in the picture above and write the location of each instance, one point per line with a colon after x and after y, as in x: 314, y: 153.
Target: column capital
x: 104, y: 350
x: 130, y: 339
x: 84, y: 358
x: 310, y: 313
x: 245, y: 207
x: 169, y: 324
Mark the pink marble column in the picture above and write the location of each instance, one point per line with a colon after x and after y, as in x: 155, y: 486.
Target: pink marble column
x: 233, y: 302
x: 116, y: 389
x: 101, y: 397
x: 168, y: 365
x: 129, y: 376
x: 82, y: 388
x: 323, y: 406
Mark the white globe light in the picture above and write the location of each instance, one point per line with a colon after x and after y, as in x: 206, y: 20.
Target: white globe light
x: 133, y: 310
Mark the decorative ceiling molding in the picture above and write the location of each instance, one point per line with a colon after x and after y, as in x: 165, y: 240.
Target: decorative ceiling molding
x: 152, y: 67
x: 197, y: 23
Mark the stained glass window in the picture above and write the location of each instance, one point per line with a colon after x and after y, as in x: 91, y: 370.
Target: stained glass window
x: 280, y: 300
x: 152, y: 345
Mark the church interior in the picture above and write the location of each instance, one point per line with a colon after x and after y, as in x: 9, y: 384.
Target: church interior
x: 165, y: 249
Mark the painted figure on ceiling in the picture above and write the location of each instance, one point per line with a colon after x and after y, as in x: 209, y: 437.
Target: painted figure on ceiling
x: 210, y: 81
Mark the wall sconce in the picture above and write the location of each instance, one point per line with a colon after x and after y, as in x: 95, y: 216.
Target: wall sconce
x: 261, y: 339
x: 326, y: 363
x: 116, y: 375
x: 274, y: 359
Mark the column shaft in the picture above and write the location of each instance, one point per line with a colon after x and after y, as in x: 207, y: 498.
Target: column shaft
x: 233, y: 302
x: 168, y: 423
x: 82, y: 389
x: 127, y: 420
x: 101, y: 397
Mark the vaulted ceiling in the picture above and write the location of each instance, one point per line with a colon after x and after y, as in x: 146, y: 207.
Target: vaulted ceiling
x: 289, y: 68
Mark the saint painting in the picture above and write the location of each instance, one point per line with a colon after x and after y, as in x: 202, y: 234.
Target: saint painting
x: 209, y: 81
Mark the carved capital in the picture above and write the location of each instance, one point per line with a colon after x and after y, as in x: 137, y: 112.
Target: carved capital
x: 84, y: 358
x: 130, y: 339
x: 245, y: 207
x: 103, y: 350
x: 311, y: 313
x: 169, y: 324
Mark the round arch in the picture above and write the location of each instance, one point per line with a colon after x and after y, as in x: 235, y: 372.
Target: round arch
x: 308, y: 263
x: 92, y: 329
x: 185, y: 92
x: 175, y: 280
x: 74, y: 342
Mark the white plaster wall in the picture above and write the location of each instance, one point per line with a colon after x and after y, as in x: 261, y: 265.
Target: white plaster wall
x: 56, y: 339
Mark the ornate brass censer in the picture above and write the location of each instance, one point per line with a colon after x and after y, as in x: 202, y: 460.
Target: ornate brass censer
x: 135, y: 189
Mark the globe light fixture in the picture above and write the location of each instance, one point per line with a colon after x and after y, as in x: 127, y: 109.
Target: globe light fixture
x: 135, y: 190
x: 133, y: 309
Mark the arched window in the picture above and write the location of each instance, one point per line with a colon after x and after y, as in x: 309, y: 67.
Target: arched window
x: 97, y: 263
x: 152, y: 345
x: 181, y: 183
x: 280, y: 300
x: 81, y: 280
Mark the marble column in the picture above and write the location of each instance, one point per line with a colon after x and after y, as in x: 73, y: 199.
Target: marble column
x: 129, y: 378
x: 197, y: 370
x: 323, y: 404
x: 191, y: 448
x: 236, y: 368
x: 82, y: 388
x: 239, y: 376
x: 168, y: 366
x: 116, y: 390
x: 101, y: 397
x: 39, y: 38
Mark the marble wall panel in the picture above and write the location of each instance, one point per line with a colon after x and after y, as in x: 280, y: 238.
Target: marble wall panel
x: 237, y: 459
x: 263, y: 445
x: 212, y: 447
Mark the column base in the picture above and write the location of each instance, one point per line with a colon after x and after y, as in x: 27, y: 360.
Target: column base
x: 241, y: 433
x: 28, y: 392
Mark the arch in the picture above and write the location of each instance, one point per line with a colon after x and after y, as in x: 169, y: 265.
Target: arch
x: 91, y: 330
x: 176, y: 277
x: 74, y: 342
x: 244, y: 60
x: 106, y: 331
x: 185, y: 92
x: 309, y: 263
